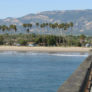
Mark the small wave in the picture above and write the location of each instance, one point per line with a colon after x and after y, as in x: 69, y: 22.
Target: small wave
x: 8, y: 52
x: 70, y: 55
x: 21, y: 53
x: 37, y: 53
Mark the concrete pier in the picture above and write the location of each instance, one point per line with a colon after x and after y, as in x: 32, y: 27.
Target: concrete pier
x: 78, y: 80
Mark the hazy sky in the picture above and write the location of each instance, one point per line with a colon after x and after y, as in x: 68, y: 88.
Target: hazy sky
x: 18, y: 8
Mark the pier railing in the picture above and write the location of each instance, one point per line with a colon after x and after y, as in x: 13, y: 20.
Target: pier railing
x: 86, y: 85
x: 80, y: 80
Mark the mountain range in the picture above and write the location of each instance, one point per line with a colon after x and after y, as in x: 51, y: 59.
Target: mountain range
x: 82, y: 20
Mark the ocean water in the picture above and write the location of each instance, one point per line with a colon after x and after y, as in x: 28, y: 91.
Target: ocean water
x: 36, y: 72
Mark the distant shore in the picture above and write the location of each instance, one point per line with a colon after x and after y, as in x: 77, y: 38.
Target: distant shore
x: 45, y: 49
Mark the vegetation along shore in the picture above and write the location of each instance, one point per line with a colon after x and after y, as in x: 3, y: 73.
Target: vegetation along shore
x: 10, y: 37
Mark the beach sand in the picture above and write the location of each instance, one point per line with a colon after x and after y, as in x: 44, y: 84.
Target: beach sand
x: 45, y: 49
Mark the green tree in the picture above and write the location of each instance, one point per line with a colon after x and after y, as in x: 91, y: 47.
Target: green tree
x: 82, y: 39
x: 1, y: 40
x: 22, y: 42
x: 51, y: 41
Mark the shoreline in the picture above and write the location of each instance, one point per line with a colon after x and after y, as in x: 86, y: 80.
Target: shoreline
x: 45, y: 49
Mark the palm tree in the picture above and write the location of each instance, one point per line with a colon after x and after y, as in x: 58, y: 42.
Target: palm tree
x: 71, y: 25
x: 43, y: 30
x: 47, y: 25
x: 66, y: 26
x: 50, y: 27
x: 24, y: 26
x: 42, y: 26
x: 30, y: 26
x: 4, y: 28
x: 56, y: 25
x: 13, y: 27
x: 27, y: 27
x: 53, y: 26
x: 0, y: 27
x: 60, y: 27
x: 37, y: 24
x: 27, y: 30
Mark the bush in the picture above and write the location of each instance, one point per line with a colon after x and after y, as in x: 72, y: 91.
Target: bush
x: 38, y: 40
x: 1, y: 40
x: 51, y: 41
x: 22, y: 42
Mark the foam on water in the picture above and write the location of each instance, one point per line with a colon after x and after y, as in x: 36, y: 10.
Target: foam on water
x: 66, y: 54
x: 71, y: 55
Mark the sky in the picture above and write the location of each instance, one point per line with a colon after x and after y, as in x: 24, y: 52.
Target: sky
x: 19, y: 8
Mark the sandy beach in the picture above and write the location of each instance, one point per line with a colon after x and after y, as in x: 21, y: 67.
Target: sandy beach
x: 45, y: 49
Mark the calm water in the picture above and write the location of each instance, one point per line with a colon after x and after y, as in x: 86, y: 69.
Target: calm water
x: 36, y: 72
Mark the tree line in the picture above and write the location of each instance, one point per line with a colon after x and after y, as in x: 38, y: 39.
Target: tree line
x: 44, y: 39
x: 44, y: 26
x: 50, y: 26
x: 63, y: 27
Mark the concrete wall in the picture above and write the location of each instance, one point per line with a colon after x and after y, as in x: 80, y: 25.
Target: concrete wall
x: 75, y: 81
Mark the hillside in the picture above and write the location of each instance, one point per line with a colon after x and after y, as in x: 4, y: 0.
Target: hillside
x: 82, y: 20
